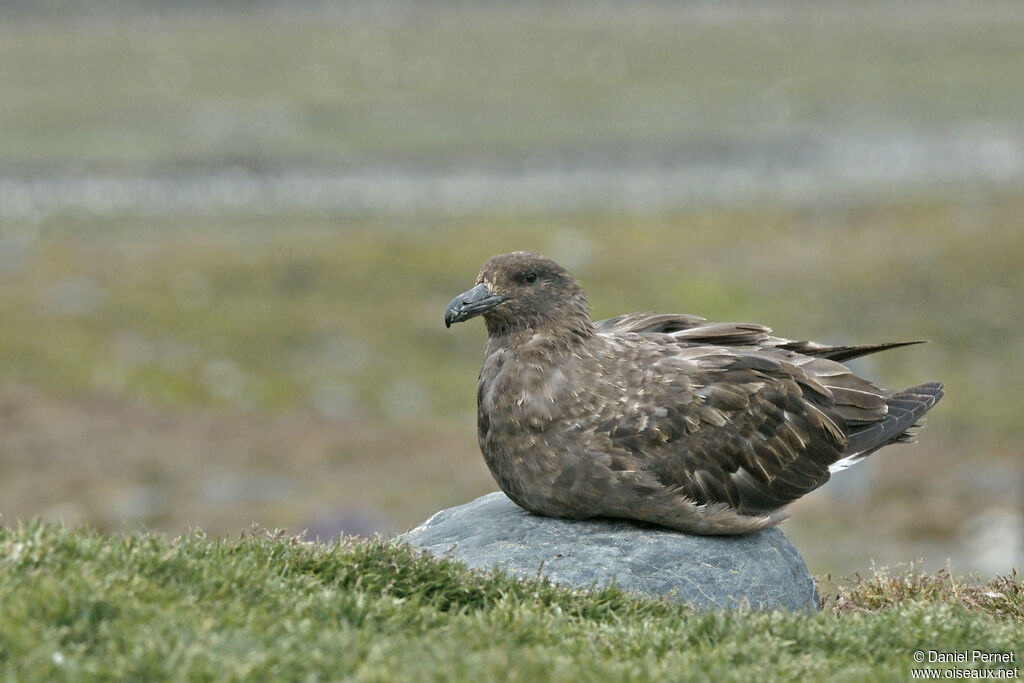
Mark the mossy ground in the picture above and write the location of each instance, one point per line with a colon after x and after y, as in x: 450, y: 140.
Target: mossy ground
x: 77, y: 605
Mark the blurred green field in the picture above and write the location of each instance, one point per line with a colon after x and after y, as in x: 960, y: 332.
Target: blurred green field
x: 321, y: 351
x: 184, y: 368
x: 439, y: 82
x: 262, y: 313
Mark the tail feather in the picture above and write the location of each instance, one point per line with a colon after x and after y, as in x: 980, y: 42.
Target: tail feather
x: 905, y: 410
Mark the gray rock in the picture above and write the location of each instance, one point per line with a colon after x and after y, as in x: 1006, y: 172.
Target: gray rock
x: 761, y: 570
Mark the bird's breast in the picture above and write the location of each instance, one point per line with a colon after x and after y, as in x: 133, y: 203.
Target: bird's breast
x: 529, y: 396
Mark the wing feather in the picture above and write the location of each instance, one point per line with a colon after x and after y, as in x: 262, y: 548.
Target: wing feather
x: 755, y: 432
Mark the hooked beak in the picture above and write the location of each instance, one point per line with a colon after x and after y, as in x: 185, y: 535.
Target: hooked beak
x: 471, y: 304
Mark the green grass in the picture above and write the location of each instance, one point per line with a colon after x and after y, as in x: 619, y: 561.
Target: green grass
x: 76, y: 605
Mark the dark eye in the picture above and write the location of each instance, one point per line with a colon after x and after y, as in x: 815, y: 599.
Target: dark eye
x: 529, y: 277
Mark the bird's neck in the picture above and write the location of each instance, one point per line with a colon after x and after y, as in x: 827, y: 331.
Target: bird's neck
x: 563, y: 326
x: 542, y: 339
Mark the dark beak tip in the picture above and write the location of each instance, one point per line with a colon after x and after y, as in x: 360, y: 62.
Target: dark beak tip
x: 476, y: 301
x: 451, y: 314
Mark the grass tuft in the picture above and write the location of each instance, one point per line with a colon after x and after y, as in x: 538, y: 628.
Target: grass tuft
x: 1001, y: 597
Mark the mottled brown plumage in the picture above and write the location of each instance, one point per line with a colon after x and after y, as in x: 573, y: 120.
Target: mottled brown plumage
x: 710, y: 428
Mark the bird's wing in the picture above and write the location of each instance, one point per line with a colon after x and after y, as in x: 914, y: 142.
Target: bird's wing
x: 648, y: 322
x: 746, y: 428
x: 691, y: 329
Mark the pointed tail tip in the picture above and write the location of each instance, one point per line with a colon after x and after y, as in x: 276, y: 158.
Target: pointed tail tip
x: 933, y: 390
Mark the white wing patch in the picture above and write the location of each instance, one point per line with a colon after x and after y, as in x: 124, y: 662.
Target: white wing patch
x: 845, y: 463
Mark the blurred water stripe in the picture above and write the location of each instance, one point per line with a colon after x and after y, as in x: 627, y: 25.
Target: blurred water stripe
x: 829, y: 169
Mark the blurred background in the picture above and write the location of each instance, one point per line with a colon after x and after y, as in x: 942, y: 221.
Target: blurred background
x: 229, y: 230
